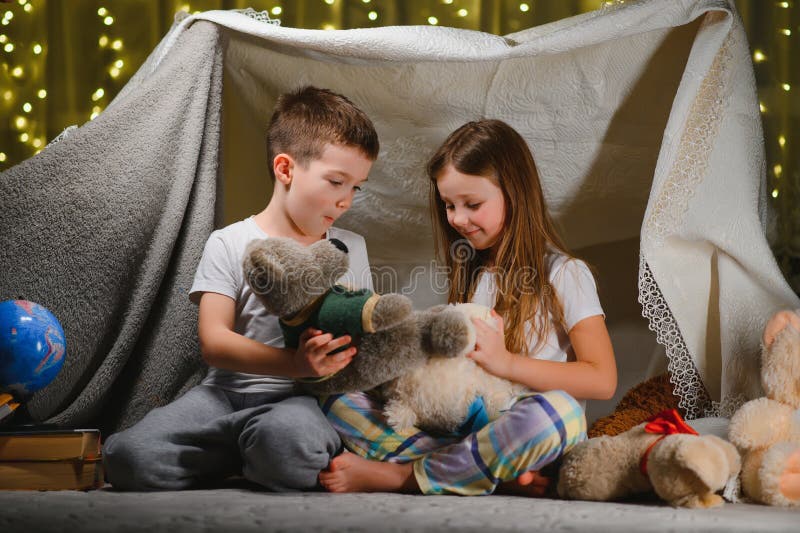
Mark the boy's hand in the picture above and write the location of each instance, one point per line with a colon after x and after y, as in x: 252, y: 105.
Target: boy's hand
x: 313, y: 349
x: 490, y: 348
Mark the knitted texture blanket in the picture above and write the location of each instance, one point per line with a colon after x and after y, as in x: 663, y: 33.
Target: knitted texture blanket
x: 642, y: 118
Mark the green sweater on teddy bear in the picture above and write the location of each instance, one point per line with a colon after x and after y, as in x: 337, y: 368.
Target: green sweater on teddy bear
x: 340, y: 311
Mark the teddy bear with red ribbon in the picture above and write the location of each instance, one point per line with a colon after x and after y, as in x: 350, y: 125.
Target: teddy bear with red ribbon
x: 664, y: 455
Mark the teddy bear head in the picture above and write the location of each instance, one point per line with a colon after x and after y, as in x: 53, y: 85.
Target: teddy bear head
x: 287, y: 276
x: 780, y: 368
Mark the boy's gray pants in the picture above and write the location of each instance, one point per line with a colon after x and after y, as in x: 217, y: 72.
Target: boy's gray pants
x: 209, y: 434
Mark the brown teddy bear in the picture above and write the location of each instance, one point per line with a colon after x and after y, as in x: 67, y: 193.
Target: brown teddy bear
x: 664, y: 455
x: 767, y: 429
x: 637, y: 405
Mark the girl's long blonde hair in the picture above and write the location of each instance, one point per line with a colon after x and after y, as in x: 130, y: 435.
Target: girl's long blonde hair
x: 493, y: 149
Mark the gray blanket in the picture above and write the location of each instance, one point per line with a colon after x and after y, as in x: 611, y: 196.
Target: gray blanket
x: 105, y: 228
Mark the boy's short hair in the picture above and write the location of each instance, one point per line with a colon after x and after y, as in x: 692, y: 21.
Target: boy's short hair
x: 307, y: 119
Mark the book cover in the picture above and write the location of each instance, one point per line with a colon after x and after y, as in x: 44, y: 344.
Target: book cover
x: 7, y: 409
x: 51, y: 475
x: 48, y: 444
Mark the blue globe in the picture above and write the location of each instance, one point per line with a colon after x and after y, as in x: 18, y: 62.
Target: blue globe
x: 32, y: 347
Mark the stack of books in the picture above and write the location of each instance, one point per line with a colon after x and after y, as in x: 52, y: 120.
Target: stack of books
x: 40, y: 458
x: 7, y: 405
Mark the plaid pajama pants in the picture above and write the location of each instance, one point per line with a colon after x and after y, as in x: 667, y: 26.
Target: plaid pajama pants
x: 537, y: 429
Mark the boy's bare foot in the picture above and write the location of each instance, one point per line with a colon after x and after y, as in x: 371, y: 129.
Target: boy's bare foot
x: 350, y: 473
x: 531, y: 484
x: 790, y: 479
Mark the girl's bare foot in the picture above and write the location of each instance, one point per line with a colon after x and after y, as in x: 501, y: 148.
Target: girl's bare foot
x: 790, y: 479
x: 531, y: 484
x: 350, y: 473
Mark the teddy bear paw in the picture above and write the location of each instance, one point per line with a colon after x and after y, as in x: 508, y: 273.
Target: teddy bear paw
x: 777, y: 479
x: 789, y: 482
x: 390, y: 310
x: 699, y: 501
x: 451, y: 334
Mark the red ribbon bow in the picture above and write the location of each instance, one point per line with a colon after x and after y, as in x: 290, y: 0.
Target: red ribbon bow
x: 665, y: 423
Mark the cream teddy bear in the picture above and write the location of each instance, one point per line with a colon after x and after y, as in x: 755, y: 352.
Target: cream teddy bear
x: 441, y: 394
x: 664, y: 455
x: 767, y: 429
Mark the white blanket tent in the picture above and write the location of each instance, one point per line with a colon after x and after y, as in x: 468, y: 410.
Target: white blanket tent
x: 643, y: 120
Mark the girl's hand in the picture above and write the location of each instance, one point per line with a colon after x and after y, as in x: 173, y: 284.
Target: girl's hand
x: 490, y: 348
x: 312, y: 353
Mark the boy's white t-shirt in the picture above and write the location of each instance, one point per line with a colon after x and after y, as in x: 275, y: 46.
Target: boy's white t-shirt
x: 576, y: 290
x: 220, y: 271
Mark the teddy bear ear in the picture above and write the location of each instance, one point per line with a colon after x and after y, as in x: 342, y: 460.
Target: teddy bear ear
x: 687, y: 470
x: 706, y: 459
x: 780, y: 368
x: 340, y: 245
x: 262, y: 271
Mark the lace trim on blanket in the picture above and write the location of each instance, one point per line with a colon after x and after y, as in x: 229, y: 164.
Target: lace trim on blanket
x: 669, y: 209
x: 696, y: 144
x: 693, y: 397
x: 260, y: 16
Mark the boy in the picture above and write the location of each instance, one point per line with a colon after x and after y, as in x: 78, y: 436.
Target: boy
x: 245, y: 417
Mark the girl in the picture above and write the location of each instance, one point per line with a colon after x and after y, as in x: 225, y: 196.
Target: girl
x: 490, y: 215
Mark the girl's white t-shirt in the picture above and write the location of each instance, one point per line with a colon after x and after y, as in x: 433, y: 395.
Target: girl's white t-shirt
x: 576, y: 290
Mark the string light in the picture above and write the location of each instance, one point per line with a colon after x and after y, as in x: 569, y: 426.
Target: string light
x: 20, y: 122
x: 463, y: 12
x: 27, y: 107
x: 28, y: 8
x: 3, y: 38
x: 2, y: 157
x: 774, y: 193
x: 330, y: 2
x: 98, y: 94
x: 524, y: 8
x: 103, y: 41
x: 117, y: 44
x: 102, y: 12
x: 433, y: 20
x: 8, y: 95
x: 762, y: 107
x: 372, y: 15
x: 778, y: 169
x: 782, y: 140
x: 42, y: 94
x: 328, y: 27
x: 108, y: 21
x: 786, y: 87
x: 17, y: 72
x: 37, y: 49
x: 758, y: 56
x: 277, y: 10
x: 9, y: 47
x: 24, y: 137
x: 786, y: 31
x: 784, y: 5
